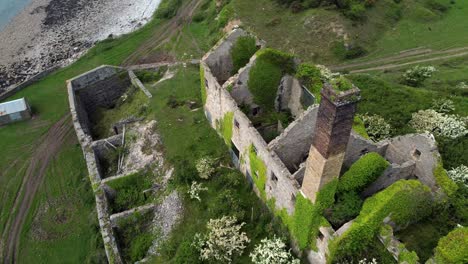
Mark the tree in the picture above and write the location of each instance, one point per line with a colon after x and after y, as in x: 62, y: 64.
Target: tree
x: 272, y: 251
x: 223, y: 241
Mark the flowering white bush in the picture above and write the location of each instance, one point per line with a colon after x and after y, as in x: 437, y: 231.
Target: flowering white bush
x: 376, y: 126
x: 443, y: 105
x: 365, y: 261
x: 195, y: 190
x: 459, y: 174
x: 326, y: 73
x: 439, y: 124
x: 272, y: 251
x: 205, y: 167
x: 462, y: 85
x: 416, y: 75
x: 223, y: 241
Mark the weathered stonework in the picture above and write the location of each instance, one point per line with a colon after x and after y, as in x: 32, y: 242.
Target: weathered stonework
x: 320, y: 136
x: 100, y: 87
x: 332, y: 130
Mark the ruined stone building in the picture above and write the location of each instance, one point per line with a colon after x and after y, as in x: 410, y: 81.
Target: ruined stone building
x: 312, y: 150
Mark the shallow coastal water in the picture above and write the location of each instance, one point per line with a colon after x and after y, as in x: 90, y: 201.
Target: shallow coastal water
x: 9, y: 9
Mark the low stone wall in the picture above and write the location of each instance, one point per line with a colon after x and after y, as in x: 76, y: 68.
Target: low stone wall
x: 137, y: 83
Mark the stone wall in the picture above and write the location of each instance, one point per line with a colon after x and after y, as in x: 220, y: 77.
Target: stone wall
x: 358, y: 146
x: 293, y: 145
x: 98, y: 88
x: 289, y: 96
x: 219, y: 58
x: 420, y: 148
x: 392, y: 174
x: 280, y: 184
x: 240, y: 88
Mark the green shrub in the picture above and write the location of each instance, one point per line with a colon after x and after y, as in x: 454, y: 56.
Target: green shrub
x: 243, y: 49
x: 278, y: 58
x: 349, y: 52
x: 363, y: 172
x: 130, y: 191
x: 405, y: 201
x: 410, y: 257
x: 357, y: 11
x: 347, y: 207
x: 310, y: 77
x: 453, y: 249
x: 359, y: 128
x: 168, y: 8
x: 444, y: 181
x: 264, y: 78
x: 225, y: 15
x: 139, y: 246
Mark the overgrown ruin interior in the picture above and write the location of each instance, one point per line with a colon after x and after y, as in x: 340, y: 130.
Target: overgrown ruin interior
x: 126, y: 169
x: 278, y: 167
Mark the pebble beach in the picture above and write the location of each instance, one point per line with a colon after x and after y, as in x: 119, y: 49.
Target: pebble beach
x: 48, y: 33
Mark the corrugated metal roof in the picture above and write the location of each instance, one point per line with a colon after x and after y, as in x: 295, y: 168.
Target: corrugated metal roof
x: 14, y: 106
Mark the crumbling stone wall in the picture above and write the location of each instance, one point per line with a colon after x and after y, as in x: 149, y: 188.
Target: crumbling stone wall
x: 420, y: 148
x: 293, y: 145
x: 280, y: 184
x: 219, y: 59
x: 97, y: 88
x: 359, y: 146
x: 240, y: 88
x: 289, y: 96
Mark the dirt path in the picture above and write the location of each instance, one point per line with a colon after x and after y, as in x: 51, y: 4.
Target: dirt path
x: 46, y: 149
x: 166, y: 32
x: 402, y: 59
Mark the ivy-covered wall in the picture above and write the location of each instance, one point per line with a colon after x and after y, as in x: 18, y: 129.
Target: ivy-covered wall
x: 453, y: 248
x: 405, y: 201
x: 226, y: 127
x: 258, y: 170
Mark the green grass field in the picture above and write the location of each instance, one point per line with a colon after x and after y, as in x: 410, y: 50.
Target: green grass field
x: 62, y: 225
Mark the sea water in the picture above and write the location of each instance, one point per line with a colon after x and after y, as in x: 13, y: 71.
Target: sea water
x: 9, y: 9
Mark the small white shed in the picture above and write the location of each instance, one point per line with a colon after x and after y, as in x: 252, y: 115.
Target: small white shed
x: 13, y: 111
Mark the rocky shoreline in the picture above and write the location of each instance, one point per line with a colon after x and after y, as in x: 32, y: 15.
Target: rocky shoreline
x: 50, y: 33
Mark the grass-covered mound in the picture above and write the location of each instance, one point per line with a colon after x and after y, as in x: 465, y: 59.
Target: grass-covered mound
x: 453, y: 248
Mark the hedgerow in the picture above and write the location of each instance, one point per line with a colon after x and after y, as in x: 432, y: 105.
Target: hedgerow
x: 266, y: 74
x: 453, y: 248
x: 363, y: 172
x: 444, y: 181
x: 242, y: 50
x: 405, y: 201
x: 258, y: 170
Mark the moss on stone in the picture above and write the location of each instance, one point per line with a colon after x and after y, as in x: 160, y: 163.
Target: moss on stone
x: 443, y: 180
x: 203, y: 86
x: 258, y: 170
x: 226, y: 127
